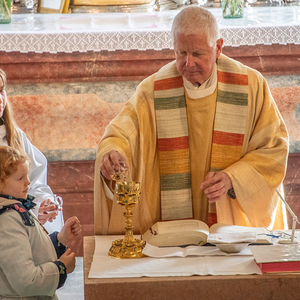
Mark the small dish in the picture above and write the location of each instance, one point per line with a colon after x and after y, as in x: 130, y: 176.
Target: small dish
x: 232, y: 248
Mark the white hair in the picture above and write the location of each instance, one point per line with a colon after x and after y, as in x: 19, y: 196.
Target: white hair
x: 196, y: 20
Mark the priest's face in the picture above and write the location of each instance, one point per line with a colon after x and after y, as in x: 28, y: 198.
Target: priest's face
x: 3, y: 96
x: 195, y: 58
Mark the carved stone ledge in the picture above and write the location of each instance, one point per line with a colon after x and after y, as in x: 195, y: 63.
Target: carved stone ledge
x: 133, y: 65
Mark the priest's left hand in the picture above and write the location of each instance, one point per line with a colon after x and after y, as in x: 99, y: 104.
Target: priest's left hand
x: 216, y: 185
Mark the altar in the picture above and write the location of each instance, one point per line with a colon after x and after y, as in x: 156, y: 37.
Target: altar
x: 234, y: 287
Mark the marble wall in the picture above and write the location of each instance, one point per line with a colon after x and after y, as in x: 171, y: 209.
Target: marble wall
x: 66, y: 121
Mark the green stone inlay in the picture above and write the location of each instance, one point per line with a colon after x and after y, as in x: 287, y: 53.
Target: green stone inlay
x: 294, y: 147
x: 70, y: 154
x: 112, y: 92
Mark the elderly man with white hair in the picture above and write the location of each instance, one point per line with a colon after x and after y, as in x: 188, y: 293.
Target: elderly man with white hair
x: 203, y: 135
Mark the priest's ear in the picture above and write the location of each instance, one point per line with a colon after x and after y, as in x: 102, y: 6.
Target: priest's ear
x: 219, y: 46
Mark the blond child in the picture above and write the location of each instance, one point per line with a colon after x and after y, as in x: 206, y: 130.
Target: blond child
x: 32, y: 265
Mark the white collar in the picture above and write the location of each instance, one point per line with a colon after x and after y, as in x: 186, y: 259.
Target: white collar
x: 205, y: 89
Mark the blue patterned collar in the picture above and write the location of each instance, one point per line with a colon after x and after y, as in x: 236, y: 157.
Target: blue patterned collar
x: 27, y: 203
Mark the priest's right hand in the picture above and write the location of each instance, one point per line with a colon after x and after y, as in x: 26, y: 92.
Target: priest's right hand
x: 112, y: 162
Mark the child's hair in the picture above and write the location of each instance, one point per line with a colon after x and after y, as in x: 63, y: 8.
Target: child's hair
x: 9, y: 160
x: 12, y: 134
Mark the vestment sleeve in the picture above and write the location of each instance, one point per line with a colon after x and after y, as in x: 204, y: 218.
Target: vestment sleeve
x: 17, y: 258
x: 59, y: 247
x: 129, y: 133
x: 121, y: 139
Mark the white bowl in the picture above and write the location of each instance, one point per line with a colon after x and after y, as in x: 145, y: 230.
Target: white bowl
x: 232, y: 248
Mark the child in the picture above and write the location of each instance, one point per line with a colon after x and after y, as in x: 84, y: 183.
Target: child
x: 29, y: 268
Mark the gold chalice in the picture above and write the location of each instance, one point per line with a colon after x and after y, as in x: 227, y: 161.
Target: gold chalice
x: 128, y: 194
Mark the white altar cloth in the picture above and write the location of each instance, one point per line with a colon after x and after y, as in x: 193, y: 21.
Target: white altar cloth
x: 104, y: 266
x: 69, y: 33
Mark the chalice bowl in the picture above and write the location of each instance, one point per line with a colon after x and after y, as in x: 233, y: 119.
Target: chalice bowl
x: 128, y: 194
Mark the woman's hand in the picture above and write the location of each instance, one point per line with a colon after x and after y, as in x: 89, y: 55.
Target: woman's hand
x: 48, y: 211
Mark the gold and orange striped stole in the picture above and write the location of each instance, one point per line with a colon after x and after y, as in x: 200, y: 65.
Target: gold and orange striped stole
x: 173, y: 137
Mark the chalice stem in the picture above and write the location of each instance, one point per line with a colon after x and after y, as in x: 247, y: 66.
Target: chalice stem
x: 128, y: 239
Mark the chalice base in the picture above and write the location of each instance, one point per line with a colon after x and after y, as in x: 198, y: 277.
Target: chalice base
x: 132, y: 249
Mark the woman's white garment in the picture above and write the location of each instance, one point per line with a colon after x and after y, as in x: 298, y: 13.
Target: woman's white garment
x: 38, y: 187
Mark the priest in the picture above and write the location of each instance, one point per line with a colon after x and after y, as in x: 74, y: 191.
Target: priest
x: 203, y: 136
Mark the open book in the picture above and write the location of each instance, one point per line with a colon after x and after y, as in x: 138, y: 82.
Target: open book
x: 195, y: 232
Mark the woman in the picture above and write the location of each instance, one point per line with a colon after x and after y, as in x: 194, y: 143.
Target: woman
x: 49, y: 206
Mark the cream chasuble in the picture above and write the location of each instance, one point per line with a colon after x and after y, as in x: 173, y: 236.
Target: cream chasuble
x: 255, y: 176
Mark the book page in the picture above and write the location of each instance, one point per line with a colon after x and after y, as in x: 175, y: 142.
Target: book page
x: 262, y: 234
x: 181, y: 226
x: 224, y: 228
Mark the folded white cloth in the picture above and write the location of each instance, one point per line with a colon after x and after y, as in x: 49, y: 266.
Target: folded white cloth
x: 153, y: 251
x: 233, y: 238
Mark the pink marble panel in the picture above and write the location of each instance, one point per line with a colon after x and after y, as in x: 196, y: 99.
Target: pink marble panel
x: 55, y: 122
x: 288, y: 99
x: 61, y: 122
